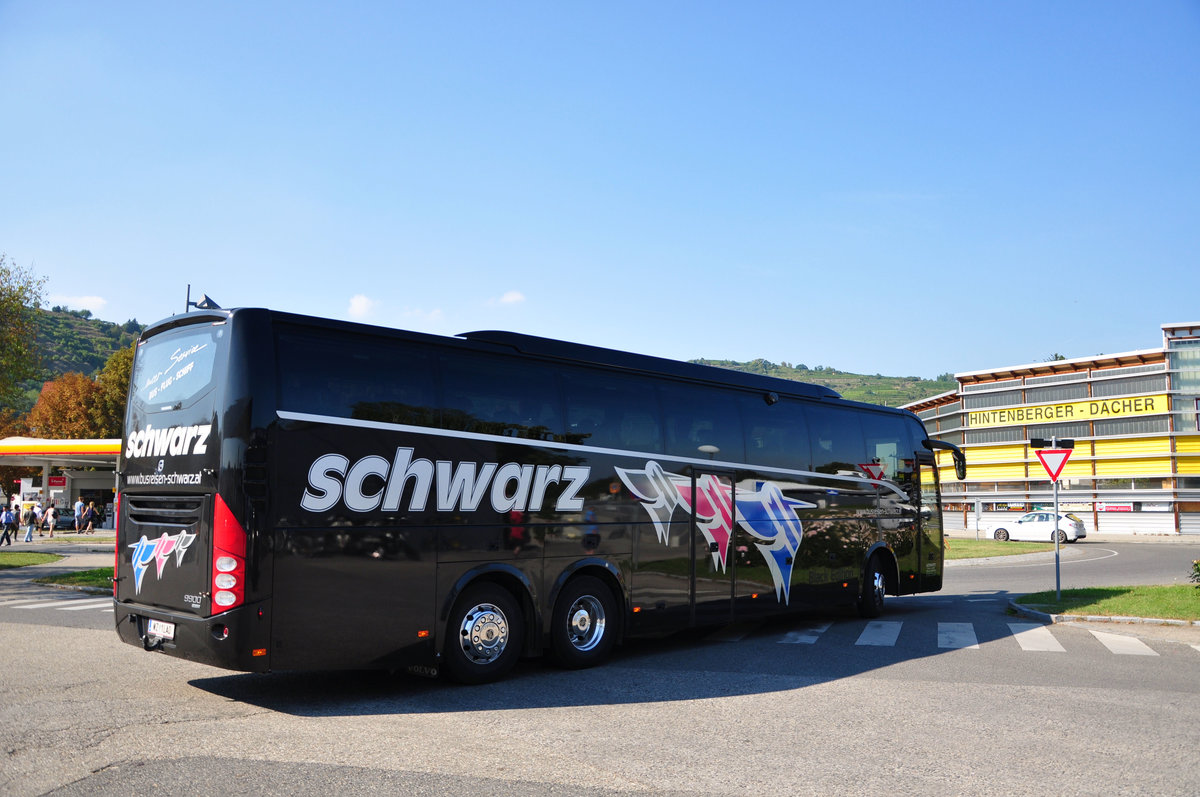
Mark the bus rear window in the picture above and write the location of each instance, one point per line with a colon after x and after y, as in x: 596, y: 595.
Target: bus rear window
x: 171, y: 370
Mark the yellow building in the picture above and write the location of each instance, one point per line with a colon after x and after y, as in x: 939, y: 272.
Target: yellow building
x: 1133, y: 416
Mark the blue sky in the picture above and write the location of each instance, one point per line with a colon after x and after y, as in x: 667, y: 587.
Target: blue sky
x: 902, y: 188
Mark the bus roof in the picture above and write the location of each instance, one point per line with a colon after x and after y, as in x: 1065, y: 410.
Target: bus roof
x: 596, y: 355
x: 546, y: 348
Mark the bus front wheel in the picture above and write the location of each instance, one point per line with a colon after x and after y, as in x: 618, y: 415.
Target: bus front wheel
x: 870, y: 601
x: 485, y: 635
x: 583, y: 627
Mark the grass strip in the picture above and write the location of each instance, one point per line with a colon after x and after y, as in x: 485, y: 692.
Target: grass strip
x: 1175, y: 602
x: 11, y: 559
x: 100, y: 577
x: 958, y: 548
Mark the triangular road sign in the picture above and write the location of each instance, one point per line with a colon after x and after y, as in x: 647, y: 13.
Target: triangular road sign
x: 873, y: 470
x: 1053, y: 460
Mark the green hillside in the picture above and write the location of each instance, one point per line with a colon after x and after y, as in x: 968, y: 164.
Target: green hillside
x: 69, y: 341
x: 876, y: 389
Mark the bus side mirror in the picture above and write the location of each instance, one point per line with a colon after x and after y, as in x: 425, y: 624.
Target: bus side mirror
x: 960, y: 460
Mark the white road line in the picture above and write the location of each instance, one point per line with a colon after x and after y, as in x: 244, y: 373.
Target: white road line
x: 805, y: 636
x: 956, y: 636
x: 1197, y: 647
x: 17, y: 604
x: 81, y: 605
x: 1031, y: 636
x: 46, y: 604
x: 1123, y: 645
x: 880, y: 634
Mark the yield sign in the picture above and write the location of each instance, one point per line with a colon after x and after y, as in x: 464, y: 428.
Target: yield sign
x: 873, y: 470
x: 1053, y: 460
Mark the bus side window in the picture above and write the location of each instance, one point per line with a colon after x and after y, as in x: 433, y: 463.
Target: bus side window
x: 837, y: 439
x: 611, y: 411
x: 777, y: 434
x: 377, y: 381
x: 702, y: 423
x: 890, y: 444
x: 501, y: 396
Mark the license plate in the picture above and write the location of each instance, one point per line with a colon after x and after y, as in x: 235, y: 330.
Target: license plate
x: 160, y: 629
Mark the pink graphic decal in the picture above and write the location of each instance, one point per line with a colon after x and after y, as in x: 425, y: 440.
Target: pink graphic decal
x: 765, y: 513
x: 158, y: 552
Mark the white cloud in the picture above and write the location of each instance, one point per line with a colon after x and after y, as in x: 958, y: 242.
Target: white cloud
x: 511, y: 297
x: 93, y: 303
x: 361, y: 307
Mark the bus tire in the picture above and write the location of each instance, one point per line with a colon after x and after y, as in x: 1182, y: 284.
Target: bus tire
x: 583, y: 628
x: 485, y: 634
x: 870, y: 600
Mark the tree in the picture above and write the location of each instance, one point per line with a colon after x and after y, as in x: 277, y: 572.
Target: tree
x: 21, y: 294
x: 112, y: 390
x: 63, y: 411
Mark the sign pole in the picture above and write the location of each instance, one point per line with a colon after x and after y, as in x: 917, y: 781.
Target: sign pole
x: 1057, y: 576
x: 1054, y: 459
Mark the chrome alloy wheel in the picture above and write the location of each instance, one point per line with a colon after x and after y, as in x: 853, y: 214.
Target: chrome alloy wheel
x: 483, y: 634
x: 878, y: 587
x: 586, y: 622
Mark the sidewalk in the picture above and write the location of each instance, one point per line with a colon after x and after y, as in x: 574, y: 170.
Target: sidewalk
x: 1092, y: 537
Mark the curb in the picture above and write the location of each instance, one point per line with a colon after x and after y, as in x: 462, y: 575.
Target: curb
x: 1092, y: 618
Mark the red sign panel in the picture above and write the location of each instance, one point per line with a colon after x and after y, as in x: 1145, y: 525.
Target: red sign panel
x: 58, y: 481
x: 1053, y: 460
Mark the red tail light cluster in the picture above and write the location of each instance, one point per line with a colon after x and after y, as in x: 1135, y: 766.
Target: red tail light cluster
x: 229, y: 560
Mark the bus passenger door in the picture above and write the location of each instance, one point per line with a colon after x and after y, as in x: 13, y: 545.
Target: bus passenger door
x: 930, y: 540
x: 713, y: 541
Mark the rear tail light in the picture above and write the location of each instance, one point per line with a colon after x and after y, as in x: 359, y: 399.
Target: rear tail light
x: 229, y: 559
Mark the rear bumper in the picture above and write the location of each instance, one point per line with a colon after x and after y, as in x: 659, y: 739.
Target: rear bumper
x: 234, y: 640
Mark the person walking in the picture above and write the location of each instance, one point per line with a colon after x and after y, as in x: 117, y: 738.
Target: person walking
x: 89, y: 518
x: 78, y: 514
x: 8, y: 519
x: 31, y: 520
x: 51, y: 518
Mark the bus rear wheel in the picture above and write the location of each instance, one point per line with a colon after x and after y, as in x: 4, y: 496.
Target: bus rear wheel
x: 870, y: 601
x: 485, y: 635
x: 582, y: 631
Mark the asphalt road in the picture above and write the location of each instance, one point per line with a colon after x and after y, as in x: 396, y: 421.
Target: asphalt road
x: 946, y: 694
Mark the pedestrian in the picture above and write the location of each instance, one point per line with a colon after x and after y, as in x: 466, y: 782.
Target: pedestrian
x: 89, y: 517
x: 51, y: 518
x: 31, y: 520
x: 78, y: 513
x: 8, y: 519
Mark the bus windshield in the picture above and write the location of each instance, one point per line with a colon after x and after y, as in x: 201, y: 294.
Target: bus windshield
x: 172, y: 370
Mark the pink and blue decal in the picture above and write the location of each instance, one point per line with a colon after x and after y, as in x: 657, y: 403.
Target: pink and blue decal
x: 158, y: 552
x: 765, y: 513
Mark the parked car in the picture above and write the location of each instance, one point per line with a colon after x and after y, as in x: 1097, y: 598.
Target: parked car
x: 1039, y: 527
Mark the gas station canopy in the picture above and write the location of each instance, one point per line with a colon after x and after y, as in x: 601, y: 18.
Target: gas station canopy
x: 37, y: 452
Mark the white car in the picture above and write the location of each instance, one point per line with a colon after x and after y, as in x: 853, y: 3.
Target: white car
x: 1039, y: 527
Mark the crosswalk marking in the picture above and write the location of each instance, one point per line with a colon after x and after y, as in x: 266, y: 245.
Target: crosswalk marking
x: 805, y: 636
x: 70, y: 604
x: 956, y: 636
x: 1035, y: 637
x: 87, y: 604
x: 880, y: 634
x: 48, y: 604
x: 1123, y: 645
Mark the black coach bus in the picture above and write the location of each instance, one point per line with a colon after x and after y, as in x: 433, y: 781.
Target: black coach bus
x: 301, y: 493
